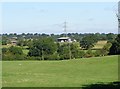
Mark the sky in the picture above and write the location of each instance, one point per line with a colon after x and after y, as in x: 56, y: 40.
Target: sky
x: 49, y: 17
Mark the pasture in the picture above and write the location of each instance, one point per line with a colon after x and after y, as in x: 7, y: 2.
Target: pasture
x: 66, y: 73
x: 99, y: 44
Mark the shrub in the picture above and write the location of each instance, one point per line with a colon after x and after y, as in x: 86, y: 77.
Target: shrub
x: 97, y: 53
x: 15, y: 50
x: 89, y: 53
x: 13, y: 57
x: 4, y: 50
x: 81, y: 54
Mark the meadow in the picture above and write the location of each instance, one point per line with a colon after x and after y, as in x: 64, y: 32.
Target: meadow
x: 99, y: 44
x: 66, y: 73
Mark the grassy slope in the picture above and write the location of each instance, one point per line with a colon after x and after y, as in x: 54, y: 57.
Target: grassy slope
x: 60, y: 73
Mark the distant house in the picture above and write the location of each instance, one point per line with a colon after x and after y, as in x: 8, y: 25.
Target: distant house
x: 13, y: 40
x: 64, y: 39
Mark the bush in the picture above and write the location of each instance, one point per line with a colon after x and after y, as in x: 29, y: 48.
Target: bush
x: 64, y: 52
x: 97, y: 53
x: 89, y: 53
x: 33, y: 58
x: 11, y: 57
x: 81, y: 54
x: 115, y: 48
x: 61, y: 57
x: 52, y: 57
x: 43, y: 46
x: 4, y: 50
x: 15, y: 50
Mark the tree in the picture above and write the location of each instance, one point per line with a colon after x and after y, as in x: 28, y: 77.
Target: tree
x: 15, y: 50
x: 105, y: 49
x: 74, y: 48
x: 34, y: 52
x: 63, y: 51
x: 4, y: 50
x: 68, y: 50
x: 12, y: 53
x: 89, y: 53
x: 88, y: 42
x: 20, y: 43
x: 97, y: 53
x: 115, y: 48
x: 43, y: 46
x: 81, y: 53
x: 5, y: 40
x: 110, y: 37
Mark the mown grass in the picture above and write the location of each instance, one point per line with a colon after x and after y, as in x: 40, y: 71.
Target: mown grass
x: 99, y: 44
x: 66, y: 73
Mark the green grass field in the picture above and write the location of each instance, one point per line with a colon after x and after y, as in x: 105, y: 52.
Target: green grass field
x: 99, y: 44
x: 66, y: 73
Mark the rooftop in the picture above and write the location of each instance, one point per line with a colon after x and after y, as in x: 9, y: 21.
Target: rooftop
x: 64, y: 38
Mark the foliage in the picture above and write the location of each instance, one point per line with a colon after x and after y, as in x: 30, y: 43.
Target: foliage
x: 15, y: 50
x: 64, y: 51
x: 115, y: 48
x: 54, y: 56
x: 10, y: 57
x: 105, y: 49
x: 110, y: 37
x: 21, y: 43
x: 77, y: 36
x: 12, y: 53
x: 4, y: 50
x: 45, y: 47
x: 24, y: 42
x: 81, y: 54
x: 5, y: 40
x: 89, y: 53
x: 97, y: 53
x: 88, y: 42
x: 74, y: 48
x: 42, y: 47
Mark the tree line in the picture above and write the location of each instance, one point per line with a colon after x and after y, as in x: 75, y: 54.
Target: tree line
x: 46, y: 48
x: 77, y: 36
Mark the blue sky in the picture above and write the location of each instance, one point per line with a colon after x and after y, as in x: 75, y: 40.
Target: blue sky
x: 48, y: 17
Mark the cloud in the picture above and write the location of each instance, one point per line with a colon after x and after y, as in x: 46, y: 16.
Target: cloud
x: 90, y: 19
x: 112, y: 8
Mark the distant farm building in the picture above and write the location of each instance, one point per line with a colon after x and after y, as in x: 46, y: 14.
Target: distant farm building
x: 65, y: 39
x: 13, y: 40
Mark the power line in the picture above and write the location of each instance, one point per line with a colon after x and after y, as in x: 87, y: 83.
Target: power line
x: 65, y: 28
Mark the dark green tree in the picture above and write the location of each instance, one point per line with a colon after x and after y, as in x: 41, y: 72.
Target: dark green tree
x: 63, y: 51
x: 81, y: 53
x: 43, y: 46
x: 74, y: 48
x: 89, y: 53
x: 105, y: 50
x: 88, y: 42
x: 5, y: 40
x: 110, y: 37
x: 115, y: 48
x: 4, y: 50
x: 15, y: 50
